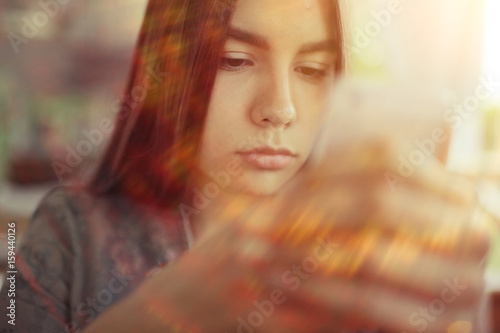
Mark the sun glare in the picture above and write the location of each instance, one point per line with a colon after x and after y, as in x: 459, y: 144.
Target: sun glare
x: 492, y: 40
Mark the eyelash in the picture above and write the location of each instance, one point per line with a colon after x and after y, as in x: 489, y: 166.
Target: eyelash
x: 225, y: 64
x: 309, y: 73
x: 315, y: 74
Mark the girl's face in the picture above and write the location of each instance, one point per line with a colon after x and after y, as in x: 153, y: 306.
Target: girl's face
x: 271, y: 89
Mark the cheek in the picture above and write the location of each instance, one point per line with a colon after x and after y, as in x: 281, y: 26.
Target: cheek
x: 224, y: 121
x: 311, y: 103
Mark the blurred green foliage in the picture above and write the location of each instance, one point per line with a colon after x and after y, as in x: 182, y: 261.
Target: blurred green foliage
x: 491, y: 134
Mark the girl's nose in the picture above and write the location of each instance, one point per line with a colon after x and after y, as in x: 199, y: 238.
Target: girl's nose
x: 275, y: 107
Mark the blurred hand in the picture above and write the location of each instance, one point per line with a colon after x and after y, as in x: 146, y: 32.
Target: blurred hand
x: 411, y: 239
x: 373, y: 233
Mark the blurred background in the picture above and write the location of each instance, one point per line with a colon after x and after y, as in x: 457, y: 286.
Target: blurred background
x: 64, y: 64
x: 63, y: 67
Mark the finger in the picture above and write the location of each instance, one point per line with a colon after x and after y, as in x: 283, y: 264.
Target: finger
x: 315, y: 214
x: 402, y: 264
x: 439, y: 223
x: 445, y: 227
x: 433, y: 177
x: 397, y: 262
x: 365, y: 304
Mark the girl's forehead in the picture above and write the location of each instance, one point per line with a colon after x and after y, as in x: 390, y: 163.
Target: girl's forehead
x: 290, y: 19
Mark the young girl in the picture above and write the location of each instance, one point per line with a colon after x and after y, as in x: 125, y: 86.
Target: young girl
x: 235, y: 196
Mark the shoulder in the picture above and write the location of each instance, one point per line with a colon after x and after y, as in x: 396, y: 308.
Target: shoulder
x: 109, y: 226
x: 81, y: 245
x: 77, y: 210
x: 63, y: 205
x: 54, y: 219
x: 57, y: 232
x: 79, y: 219
x: 64, y: 214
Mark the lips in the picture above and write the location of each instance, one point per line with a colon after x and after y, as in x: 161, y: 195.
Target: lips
x: 268, y: 158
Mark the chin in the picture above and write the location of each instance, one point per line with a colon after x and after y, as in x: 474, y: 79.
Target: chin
x: 265, y: 183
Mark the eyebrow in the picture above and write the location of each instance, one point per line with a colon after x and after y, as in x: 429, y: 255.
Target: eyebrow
x: 262, y: 43
x: 326, y: 45
x: 248, y: 38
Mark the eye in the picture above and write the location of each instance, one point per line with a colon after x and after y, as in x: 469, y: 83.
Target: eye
x: 313, y: 73
x: 234, y: 63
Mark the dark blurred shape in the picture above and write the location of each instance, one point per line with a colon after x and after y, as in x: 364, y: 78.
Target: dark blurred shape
x: 495, y: 312
x: 30, y: 170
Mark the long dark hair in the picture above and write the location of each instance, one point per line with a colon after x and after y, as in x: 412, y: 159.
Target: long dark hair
x: 154, y: 146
